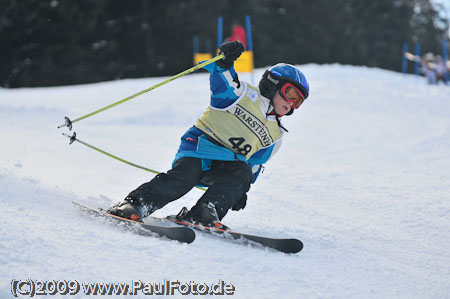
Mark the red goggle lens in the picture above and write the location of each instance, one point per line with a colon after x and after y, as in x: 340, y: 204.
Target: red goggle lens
x: 292, y: 94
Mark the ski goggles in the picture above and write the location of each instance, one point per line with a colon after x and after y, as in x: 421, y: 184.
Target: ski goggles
x: 292, y: 94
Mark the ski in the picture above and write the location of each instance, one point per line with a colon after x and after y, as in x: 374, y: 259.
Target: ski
x: 178, y: 233
x: 287, y: 245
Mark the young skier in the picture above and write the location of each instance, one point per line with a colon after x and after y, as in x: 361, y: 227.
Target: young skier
x: 227, y: 146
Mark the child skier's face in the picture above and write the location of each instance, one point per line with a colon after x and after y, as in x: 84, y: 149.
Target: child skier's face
x: 281, y: 105
x: 287, y: 98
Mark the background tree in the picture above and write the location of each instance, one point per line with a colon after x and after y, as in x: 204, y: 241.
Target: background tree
x: 57, y: 42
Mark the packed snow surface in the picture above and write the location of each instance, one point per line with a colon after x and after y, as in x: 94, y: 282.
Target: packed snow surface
x: 362, y: 178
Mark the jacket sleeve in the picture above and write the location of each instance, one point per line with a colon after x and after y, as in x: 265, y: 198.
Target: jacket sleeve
x: 224, y: 84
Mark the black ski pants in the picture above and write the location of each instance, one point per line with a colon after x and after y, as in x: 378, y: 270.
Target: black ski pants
x: 228, y: 181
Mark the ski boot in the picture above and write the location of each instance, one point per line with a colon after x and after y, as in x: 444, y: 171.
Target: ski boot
x: 129, y: 209
x: 204, y: 214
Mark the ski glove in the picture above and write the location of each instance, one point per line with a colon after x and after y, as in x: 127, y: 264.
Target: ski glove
x: 240, y: 204
x: 232, y: 51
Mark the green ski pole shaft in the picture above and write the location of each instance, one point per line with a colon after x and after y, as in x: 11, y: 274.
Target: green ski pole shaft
x: 74, y: 138
x: 68, y: 123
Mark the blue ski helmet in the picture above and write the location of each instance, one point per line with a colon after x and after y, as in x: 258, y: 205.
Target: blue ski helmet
x: 276, y: 76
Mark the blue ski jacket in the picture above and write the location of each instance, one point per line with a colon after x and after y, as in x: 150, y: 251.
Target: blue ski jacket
x: 225, y: 90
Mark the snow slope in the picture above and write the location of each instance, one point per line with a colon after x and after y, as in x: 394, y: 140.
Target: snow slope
x: 363, y: 179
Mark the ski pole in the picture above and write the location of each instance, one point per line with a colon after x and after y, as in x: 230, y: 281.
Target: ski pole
x: 68, y: 123
x: 74, y: 138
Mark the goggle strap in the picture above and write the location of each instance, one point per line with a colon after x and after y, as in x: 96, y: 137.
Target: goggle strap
x: 271, y: 79
x: 279, y: 83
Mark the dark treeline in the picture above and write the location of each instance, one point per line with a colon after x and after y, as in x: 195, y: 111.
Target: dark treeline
x: 58, y: 42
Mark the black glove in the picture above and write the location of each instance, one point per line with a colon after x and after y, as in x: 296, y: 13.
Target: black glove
x: 240, y: 204
x: 232, y: 51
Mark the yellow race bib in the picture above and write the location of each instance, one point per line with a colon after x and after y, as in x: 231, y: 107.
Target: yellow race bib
x: 243, y: 126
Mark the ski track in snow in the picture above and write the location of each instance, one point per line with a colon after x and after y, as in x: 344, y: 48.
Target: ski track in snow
x: 362, y: 179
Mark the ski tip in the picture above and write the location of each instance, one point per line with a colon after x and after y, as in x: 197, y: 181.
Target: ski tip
x: 297, y: 246
x: 188, y: 236
x: 289, y: 246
